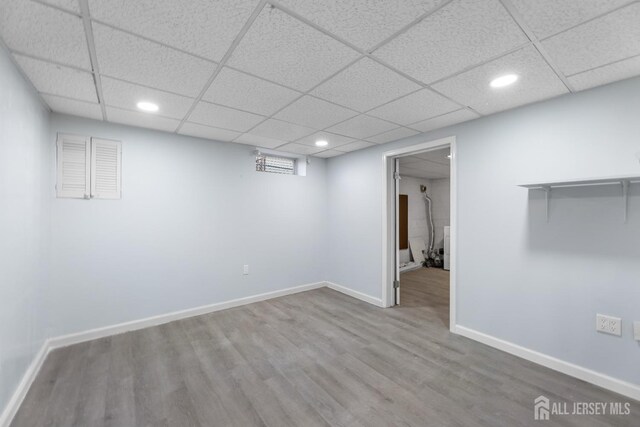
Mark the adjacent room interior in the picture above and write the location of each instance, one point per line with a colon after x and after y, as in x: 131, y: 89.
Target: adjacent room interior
x: 424, y: 194
x: 305, y: 212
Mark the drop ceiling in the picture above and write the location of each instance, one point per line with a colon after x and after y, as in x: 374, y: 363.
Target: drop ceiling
x: 434, y: 164
x: 283, y: 74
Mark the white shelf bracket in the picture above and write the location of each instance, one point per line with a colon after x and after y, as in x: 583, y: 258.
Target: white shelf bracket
x: 547, y: 196
x: 625, y: 198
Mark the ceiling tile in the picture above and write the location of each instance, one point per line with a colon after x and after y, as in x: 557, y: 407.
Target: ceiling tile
x: 282, y: 49
x: 315, y: 113
x: 45, y: 32
x: 59, y: 80
x: 300, y: 149
x: 328, y: 153
x: 365, y: 85
x: 207, y: 132
x: 73, y: 107
x: 70, y: 5
x: 445, y: 120
x: 364, y: 23
x: 201, y: 27
x: 537, y: 82
x: 424, y: 173
x: 333, y: 139
x: 392, y: 135
x: 224, y: 117
x: 278, y: 129
x: 435, y: 156
x: 136, y: 60
x: 460, y: 35
x: 259, y: 141
x: 599, y: 42
x: 353, y: 146
x: 361, y: 127
x: 415, y: 107
x: 548, y: 17
x: 145, y: 120
x: 244, y: 92
x: 126, y: 95
x: 624, y: 69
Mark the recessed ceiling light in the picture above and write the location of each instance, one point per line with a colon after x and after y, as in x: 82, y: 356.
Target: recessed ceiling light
x: 506, y: 80
x: 321, y: 143
x: 149, y: 107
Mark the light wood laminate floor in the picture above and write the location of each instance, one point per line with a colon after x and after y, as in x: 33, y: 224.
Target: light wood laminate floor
x: 312, y: 359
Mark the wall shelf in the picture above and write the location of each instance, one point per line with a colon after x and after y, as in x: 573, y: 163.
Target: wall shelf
x: 622, y: 180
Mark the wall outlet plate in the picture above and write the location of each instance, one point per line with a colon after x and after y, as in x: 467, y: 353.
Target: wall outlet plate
x: 609, y: 324
x: 636, y: 331
x: 245, y: 269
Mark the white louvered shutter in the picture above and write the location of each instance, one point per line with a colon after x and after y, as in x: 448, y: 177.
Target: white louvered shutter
x: 106, y: 168
x: 73, y: 177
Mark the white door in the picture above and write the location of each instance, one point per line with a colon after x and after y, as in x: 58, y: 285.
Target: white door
x: 396, y: 198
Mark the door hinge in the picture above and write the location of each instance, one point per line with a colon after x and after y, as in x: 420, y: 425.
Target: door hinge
x: 396, y: 176
x: 396, y: 284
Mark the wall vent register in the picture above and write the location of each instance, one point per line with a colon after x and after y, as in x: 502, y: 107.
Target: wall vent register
x: 88, y: 168
x: 275, y: 164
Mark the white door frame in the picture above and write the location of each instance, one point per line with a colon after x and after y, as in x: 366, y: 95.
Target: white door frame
x: 388, y: 217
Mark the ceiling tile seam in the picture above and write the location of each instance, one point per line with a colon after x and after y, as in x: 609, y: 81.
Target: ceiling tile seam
x: 519, y: 20
x: 93, y: 58
x: 54, y: 6
x: 254, y: 15
x: 69, y: 98
x: 604, y: 65
x: 168, y: 92
x: 50, y: 61
x: 409, y: 26
x: 434, y: 117
x: 394, y: 100
x: 154, y: 41
x: 387, y: 131
x: 238, y: 70
x: 315, y: 26
x: 308, y: 92
x: 230, y: 108
x: 146, y: 115
x: 364, y: 52
x: 594, y: 18
x: 414, y: 80
x: 117, y: 107
x: 4, y: 46
x: 211, y: 127
x: 480, y: 64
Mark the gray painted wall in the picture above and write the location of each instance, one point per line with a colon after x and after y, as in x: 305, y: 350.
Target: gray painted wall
x: 520, y: 279
x: 192, y: 213
x: 24, y: 224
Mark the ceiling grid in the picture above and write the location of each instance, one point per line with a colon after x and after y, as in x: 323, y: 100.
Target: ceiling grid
x: 283, y: 73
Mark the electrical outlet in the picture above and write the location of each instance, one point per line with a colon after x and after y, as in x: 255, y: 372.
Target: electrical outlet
x: 636, y: 331
x: 608, y: 324
x: 245, y: 269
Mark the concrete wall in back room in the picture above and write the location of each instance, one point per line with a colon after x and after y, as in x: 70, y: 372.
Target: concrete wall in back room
x: 532, y: 283
x: 24, y: 224
x: 192, y: 213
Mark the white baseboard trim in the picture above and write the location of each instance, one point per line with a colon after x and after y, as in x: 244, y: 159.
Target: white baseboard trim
x: 29, y: 376
x: 355, y: 294
x: 134, y: 325
x: 14, y: 403
x: 610, y: 383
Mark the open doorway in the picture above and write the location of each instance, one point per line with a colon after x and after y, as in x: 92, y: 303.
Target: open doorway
x: 424, y: 230
x: 420, y: 232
